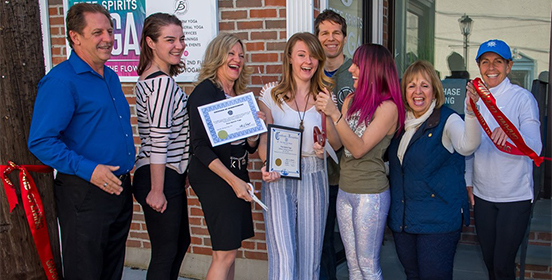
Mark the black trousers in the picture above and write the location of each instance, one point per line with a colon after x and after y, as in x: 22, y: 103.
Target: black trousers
x: 169, y: 231
x: 94, y: 228
x: 500, y: 228
x: 427, y: 256
x: 328, y: 262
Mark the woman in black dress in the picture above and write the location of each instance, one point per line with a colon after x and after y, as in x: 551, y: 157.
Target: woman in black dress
x: 218, y: 175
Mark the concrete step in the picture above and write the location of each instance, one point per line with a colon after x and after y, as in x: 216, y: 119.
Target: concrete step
x: 541, y: 223
x: 538, y: 255
x: 538, y: 262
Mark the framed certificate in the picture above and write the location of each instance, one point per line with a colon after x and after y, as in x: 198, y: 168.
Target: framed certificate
x: 231, y: 119
x: 283, y: 153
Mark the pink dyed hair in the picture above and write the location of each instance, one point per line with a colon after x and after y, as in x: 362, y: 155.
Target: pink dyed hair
x: 378, y: 81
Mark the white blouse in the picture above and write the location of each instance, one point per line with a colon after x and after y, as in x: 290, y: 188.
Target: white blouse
x: 286, y: 116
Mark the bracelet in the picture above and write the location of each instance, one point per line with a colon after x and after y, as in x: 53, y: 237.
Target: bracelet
x: 340, y: 116
x: 254, y: 139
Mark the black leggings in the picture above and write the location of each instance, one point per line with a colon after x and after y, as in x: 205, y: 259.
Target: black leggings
x: 500, y: 228
x: 169, y: 231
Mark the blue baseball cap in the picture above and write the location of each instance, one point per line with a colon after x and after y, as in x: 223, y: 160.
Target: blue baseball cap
x: 496, y: 46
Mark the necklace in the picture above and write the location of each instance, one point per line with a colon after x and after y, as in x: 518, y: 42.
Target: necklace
x: 301, y: 118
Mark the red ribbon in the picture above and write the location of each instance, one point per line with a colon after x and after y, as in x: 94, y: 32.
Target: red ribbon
x: 320, y: 136
x: 33, y: 209
x: 519, y: 147
x: 324, y: 127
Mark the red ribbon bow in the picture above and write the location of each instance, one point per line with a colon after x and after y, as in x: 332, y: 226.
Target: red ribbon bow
x: 34, y: 210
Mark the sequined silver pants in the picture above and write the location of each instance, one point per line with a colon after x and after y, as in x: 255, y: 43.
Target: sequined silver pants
x: 362, y: 219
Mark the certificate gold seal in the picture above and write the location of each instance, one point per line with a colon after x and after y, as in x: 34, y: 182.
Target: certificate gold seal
x: 278, y: 162
x: 222, y: 134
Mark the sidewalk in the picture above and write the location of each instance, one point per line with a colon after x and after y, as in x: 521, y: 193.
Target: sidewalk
x: 468, y: 265
x: 138, y: 274
x: 468, y: 261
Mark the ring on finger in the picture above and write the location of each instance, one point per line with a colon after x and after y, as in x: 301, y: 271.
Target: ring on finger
x: 105, y: 185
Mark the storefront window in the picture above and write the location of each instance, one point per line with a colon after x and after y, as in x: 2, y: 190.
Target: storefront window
x: 412, y: 38
x: 432, y: 30
x: 351, y: 10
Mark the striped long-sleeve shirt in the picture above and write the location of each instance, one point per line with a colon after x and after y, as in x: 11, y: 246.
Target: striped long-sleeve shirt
x: 163, y: 123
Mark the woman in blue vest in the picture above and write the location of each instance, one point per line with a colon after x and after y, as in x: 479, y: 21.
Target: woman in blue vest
x: 428, y: 190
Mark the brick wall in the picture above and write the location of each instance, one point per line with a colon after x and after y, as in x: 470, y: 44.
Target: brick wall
x: 262, y: 26
x: 57, y: 33
x: 536, y: 271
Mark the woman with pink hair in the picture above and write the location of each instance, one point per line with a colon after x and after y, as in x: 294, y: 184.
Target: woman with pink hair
x: 369, y: 119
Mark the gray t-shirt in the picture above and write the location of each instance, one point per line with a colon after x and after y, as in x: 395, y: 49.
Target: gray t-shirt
x: 343, y: 86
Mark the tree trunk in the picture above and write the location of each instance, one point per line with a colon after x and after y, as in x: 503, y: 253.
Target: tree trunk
x: 21, y: 68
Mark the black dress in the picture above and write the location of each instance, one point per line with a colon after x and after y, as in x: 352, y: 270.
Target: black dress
x: 228, y: 217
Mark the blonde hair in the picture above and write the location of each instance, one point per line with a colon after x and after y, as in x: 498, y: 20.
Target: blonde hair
x: 319, y: 80
x: 215, y: 57
x: 425, y: 68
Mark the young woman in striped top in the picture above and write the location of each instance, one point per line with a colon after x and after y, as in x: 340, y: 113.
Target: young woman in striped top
x: 162, y: 162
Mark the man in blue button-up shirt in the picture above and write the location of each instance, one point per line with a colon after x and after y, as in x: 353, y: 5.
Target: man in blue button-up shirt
x: 81, y: 127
